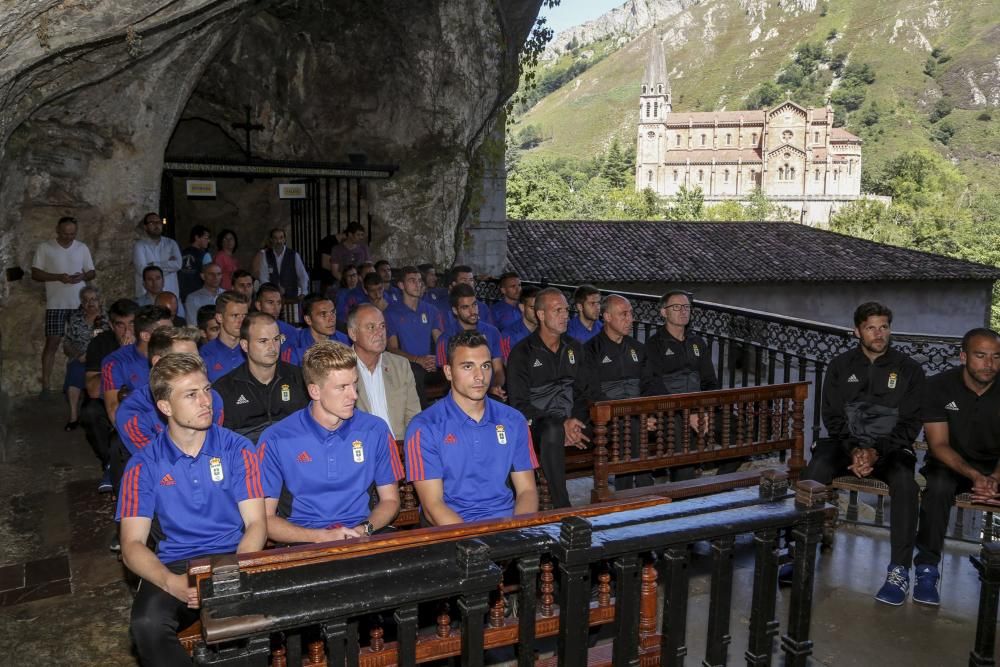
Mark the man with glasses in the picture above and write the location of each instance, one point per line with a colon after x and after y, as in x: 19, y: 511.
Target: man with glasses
x: 155, y: 250
x: 63, y: 264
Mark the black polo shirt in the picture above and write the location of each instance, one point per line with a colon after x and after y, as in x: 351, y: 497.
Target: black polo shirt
x: 251, y: 406
x: 667, y: 356
x: 617, y: 366
x: 973, y: 421
x: 100, y: 346
x: 543, y: 383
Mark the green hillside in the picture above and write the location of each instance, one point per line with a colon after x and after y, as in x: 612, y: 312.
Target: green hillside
x: 720, y: 51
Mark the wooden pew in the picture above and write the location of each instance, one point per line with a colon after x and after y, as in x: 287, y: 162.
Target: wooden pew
x: 749, y: 421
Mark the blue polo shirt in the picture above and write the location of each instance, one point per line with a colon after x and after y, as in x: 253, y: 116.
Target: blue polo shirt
x: 195, y: 499
x: 327, y: 474
x: 414, y: 328
x: 472, y: 459
x: 579, y: 332
x: 393, y: 294
x: 485, y: 314
x: 347, y: 299
x: 139, y: 422
x: 220, y: 359
x: 288, y: 330
x: 437, y: 297
x: 492, y: 340
x: 124, y: 367
x: 294, y: 354
x: 505, y: 315
x: 513, y: 335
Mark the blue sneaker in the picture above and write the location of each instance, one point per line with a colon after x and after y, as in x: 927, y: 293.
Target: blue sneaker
x: 785, y: 574
x: 925, y: 586
x: 105, y: 485
x: 897, y: 583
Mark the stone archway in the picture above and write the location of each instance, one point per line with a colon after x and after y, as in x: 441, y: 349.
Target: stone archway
x: 90, y: 94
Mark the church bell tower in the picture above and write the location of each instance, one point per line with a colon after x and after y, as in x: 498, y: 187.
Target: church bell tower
x: 654, y: 105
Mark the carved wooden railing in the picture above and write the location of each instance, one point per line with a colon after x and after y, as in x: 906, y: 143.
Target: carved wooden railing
x: 646, y: 434
x: 378, y: 602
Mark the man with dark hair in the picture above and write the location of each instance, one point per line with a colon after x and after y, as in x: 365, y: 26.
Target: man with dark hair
x: 269, y: 301
x: 386, y: 386
x: 465, y: 310
x: 434, y: 295
x: 391, y: 293
x: 93, y: 415
x: 871, y: 411
x: 201, y: 484
x: 155, y: 250
x: 282, y: 266
x: 959, y: 413
x: 353, y: 250
x: 617, y: 359
x: 128, y: 366
x: 506, y: 311
x: 321, y: 462
x: 224, y: 353
x: 524, y: 326
x: 193, y: 259
x: 550, y: 382
x: 63, y: 264
x: 413, y: 325
x: 320, y: 316
x: 152, y: 282
x: 374, y: 291
x: 462, y: 274
x: 586, y: 324
x: 211, y: 276
x: 470, y: 457
x: 264, y: 390
x: 243, y: 284
x: 207, y: 324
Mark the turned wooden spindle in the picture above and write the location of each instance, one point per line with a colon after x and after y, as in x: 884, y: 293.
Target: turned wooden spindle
x: 278, y: 657
x: 316, y: 653
x: 547, y: 587
x: 659, y: 433
x: 375, y: 642
x: 444, y: 621
x: 408, y: 497
x: 604, y: 588
x: 647, y: 600
x: 497, y: 608
x: 626, y: 423
x: 616, y: 447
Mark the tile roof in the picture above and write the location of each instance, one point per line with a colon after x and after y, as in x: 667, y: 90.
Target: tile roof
x: 575, y: 252
x: 840, y: 134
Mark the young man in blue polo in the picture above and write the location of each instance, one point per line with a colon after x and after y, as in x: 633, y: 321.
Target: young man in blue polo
x: 320, y: 316
x: 224, y: 353
x: 319, y: 463
x: 201, y: 483
x: 413, y: 325
x: 462, y: 450
x: 467, y: 317
x: 128, y: 366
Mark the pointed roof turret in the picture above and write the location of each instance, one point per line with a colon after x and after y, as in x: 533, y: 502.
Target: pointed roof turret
x: 656, y: 68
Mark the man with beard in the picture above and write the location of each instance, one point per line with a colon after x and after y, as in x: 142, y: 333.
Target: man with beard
x: 465, y: 317
x: 470, y: 457
x: 871, y: 411
x: 200, y: 483
x: 319, y: 464
x: 961, y: 415
x: 264, y: 390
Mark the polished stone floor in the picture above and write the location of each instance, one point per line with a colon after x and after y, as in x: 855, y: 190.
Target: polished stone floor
x: 64, y: 599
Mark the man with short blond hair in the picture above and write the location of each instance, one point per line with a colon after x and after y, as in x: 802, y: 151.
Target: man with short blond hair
x: 322, y: 460
x: 201, y: 484
x: 224, y: 353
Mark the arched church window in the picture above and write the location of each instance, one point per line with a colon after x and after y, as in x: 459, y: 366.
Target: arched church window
x: 656, y: 109
x: 725, y: 176
x: 816, y: 135
x: 644, y: 90
x: 647, y: 109
x: 791, y: 173
x: 678, y: 142
x: 701, y: 175
x: 703, y: 140
x: 836, y: 173
x: 659, y: 88
x: 651, y: 135
x: 781, y: 173
x: 675, y: 175
x: 817, y: 174
x: 649, y: 176
x: 850, y: 167
x: 729, y: 140
x: 753, y: 138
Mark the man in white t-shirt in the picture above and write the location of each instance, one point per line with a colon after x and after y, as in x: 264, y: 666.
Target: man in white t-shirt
x: 154, y: 250
x: 64, y: 265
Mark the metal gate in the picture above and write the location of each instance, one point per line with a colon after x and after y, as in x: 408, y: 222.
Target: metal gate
x: 330, y: 204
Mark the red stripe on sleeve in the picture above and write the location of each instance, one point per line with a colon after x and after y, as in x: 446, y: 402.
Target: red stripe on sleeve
x: 397, y: 465
x: 442, y: 352
x: 222, y: 416
x: 420, y: 455
x: 135, y: 490
x: 252, y: 475
x: 138, y: 437
x: 531, y: 451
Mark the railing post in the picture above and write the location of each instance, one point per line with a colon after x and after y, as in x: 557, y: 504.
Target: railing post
x: 473, y: 564
x: 810, y: 497
x: 797, y: 460
x: 527, y: 569
x: 574, y: 591
x: 720, y: 599
x: 625, y: 652
x: 335, y: 637
x: 988, y: 565
x: 406, y: 630
x: 600, y: 415
x: 673, y: 631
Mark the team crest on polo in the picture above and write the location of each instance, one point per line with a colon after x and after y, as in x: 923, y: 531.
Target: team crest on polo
x: 892, y: 380
x: 359, y: 452
x: 697, y: 352
x: 423, y: 318
x: 286, y: 393
x: 635, y: 357
x: 571, y: 356
x: 501, y: 435
x: 215, y: 468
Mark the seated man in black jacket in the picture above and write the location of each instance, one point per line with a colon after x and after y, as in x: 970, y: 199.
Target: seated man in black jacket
x: 549, y: 381
x: 263, y: 390
x: 871, y: 410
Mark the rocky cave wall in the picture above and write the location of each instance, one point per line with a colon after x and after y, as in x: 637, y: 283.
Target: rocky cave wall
x: 91, y: 92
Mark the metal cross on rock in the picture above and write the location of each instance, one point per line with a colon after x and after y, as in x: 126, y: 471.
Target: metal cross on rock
x: 248, y: 127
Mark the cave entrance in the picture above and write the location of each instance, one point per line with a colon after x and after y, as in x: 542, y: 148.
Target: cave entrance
x: 249, y: 199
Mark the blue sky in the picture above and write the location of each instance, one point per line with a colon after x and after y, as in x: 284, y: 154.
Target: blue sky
x: 574, y: 12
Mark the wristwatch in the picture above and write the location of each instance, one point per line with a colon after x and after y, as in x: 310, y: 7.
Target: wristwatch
x: 369, y: 528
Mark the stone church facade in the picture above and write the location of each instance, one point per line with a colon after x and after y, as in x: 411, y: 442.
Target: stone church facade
x: 793, y: 153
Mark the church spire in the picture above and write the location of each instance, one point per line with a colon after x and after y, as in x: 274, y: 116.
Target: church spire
x: 656, y: 71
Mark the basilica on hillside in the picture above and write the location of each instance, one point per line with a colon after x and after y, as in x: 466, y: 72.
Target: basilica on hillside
x: 793, y: 153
